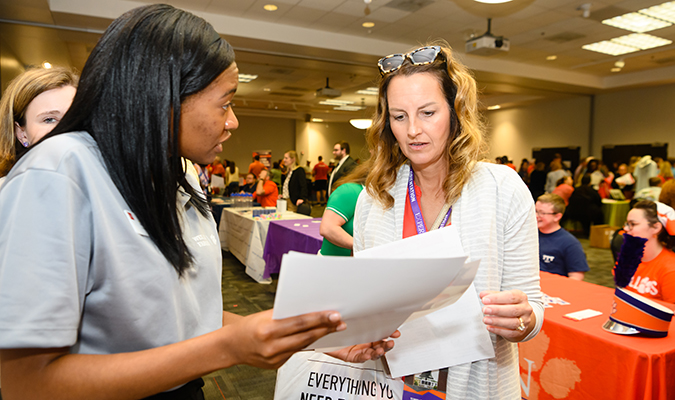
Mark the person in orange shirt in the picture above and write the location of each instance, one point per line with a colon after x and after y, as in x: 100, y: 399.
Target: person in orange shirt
x: 217, y: 167
x: 320, y: 172
x: 256, y: 166
x: 266, y: 192
x: 655, y: 276
x: 564, y: 188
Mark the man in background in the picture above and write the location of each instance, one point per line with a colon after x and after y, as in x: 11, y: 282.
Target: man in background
x: 345, y: 163
x: 256, y: 166
x: 249, y: 184
x: 266, y: 192
x: 559, y: 252
x: 320, y: 172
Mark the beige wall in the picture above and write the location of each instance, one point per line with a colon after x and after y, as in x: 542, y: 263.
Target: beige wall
x: 282, y: 134
x: 259, y: 133
x: 638, y: 116
x: 10, y: 66
x: 318, y: 138
x: 515, y: 131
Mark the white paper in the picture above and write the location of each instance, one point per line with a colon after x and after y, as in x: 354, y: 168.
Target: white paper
x: 374, y: 296
x: 451, y: 336
x: 217, y: 181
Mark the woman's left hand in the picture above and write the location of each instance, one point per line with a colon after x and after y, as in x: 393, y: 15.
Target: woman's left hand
x: 300, y: 201
x: 508, y: 314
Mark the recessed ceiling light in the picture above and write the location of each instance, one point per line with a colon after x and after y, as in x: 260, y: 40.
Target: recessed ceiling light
x: 317, y: 120
x: 270, y: 7
x: 642, y: 41
x: 636, y: 22
x: 551, y: 58
x: 368, y: 24
x: 492, y: 1
x: 246, y: 78
x: 615, y: 69
x: 665, y: 11
x: 267, y: 89
x: 46, y: 65
x: 620, y: 64
x: 609, y: 47
x: 497, y: 107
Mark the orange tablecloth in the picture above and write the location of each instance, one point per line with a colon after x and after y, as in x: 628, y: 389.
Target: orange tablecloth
x: 579, y: 360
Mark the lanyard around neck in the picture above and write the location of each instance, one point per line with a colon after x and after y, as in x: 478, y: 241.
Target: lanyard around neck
x: 414, y: 205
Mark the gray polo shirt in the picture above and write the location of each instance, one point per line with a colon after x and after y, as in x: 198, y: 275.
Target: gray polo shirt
x: 77, y: 269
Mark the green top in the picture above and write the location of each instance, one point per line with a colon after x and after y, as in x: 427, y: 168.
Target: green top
x: 275, y: 176
x: 342, y: 202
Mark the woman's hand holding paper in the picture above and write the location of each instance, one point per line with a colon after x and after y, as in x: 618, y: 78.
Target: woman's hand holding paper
x: 508, y: 314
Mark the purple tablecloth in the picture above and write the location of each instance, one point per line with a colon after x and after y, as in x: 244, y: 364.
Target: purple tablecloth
x: 284, y: 236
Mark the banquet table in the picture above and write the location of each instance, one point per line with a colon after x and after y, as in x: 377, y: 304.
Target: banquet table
x: 217, y: 206
x: 244, y: 236
x: 615, y: 211
x: 579, y: 360
x: 284, y: 236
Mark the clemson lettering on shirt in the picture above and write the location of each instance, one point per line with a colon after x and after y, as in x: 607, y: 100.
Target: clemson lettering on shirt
x: 644, y: 285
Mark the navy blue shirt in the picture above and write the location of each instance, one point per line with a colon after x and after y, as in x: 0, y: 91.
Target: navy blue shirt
x: 561, y: 253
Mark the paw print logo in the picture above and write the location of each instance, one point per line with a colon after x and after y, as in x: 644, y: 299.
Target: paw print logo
x: 556, y: 377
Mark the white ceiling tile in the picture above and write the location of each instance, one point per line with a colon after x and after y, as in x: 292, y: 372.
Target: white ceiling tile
x: 386, y: 14
x: 634, y: 5
x: 333, y: 22
x: 196, y: 5
x: 442, y: 7
x: 229, y: 7
x: 277, y: 2
x: 326, y: 5
x: 257, y: 12
x: 301, y: 16
x: 356, y: 8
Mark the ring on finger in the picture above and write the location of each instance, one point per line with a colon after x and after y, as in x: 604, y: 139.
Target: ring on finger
x: 521, y: 327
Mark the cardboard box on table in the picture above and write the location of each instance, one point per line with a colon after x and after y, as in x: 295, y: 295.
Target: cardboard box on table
x: 601, y: 235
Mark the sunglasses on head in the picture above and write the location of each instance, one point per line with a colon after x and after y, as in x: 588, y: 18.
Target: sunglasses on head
x: 422, y: 56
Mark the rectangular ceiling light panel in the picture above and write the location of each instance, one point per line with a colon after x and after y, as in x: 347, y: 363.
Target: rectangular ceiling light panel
x: 609, y: 47
x: 642, y: 41
x: 636, y: 22
x: 665, y: 11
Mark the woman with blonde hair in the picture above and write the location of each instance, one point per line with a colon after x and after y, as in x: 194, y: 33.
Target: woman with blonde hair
x: 32, y: 105
x: 427, y: 140
x: 294, y: 189
x: 554, y: 175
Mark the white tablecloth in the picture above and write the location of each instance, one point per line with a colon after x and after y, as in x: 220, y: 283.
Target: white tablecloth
x: 245, y: 237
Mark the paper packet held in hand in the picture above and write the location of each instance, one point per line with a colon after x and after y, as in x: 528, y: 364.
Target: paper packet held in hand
x: 374, y: 296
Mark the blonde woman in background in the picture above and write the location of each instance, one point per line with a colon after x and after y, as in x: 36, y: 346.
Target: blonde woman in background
x: 294, y: 189
x: 31, y: 106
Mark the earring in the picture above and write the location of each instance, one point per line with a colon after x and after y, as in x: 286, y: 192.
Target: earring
x: 25, y: 143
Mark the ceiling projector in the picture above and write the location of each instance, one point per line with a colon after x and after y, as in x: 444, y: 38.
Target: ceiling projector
x: 328, y: 92
x: 487, y: 44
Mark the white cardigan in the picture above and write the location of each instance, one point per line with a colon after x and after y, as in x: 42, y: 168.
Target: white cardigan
x: 496, y: 221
